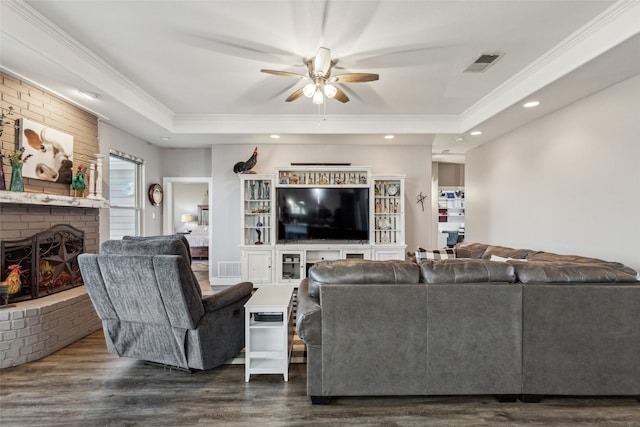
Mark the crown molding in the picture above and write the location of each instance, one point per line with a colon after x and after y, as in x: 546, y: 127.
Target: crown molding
x: 612, y: 27
x: 314, y: 124
x: 23, y: 23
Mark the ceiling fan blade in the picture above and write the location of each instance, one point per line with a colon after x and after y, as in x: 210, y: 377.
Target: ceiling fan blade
x: 354, y: 78
x: 284, y: 73
x: 341, y: 96
x: 295, y: 95
x: 239, y: 47
x: 322, y: 62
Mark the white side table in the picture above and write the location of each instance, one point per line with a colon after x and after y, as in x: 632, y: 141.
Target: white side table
x: 267, y: 343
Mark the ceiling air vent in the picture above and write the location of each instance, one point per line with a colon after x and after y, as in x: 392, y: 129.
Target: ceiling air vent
x: 482, y: 63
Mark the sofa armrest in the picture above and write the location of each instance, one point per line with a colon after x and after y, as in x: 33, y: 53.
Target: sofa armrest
x: 227, y: 296
x: 308, y: 316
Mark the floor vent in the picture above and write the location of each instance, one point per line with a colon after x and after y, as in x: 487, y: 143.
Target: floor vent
x: 228, y: 269
x: 482, y: 63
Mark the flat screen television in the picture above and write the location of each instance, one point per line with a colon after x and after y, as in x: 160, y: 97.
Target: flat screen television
x: 307, y: 215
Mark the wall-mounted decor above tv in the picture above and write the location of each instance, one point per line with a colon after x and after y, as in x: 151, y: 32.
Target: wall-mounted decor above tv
x: 318, y: 215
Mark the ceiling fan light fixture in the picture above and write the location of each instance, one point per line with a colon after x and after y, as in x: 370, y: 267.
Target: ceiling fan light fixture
x: 318, y: 98
x: 309, y: 90
x: 318, y: 79
x: 330, y: 90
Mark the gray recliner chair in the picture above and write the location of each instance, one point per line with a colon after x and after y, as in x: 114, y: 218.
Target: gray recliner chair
x: 152, y: 308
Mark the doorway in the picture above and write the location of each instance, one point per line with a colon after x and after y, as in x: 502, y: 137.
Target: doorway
x: 187, y: 208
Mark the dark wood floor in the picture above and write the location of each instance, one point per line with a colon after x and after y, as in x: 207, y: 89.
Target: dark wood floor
x: 83, y: 385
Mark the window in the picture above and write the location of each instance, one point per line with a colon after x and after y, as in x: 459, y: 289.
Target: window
x: 125, y: 173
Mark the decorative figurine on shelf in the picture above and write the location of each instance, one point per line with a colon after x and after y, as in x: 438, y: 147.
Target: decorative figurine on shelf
x: 258, y: 225
x: 77, y: 183
x: 266, y: 190
x: 12, y: 284
x: 245, y: 167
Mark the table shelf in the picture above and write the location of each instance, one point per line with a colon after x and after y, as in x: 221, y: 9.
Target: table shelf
x: 268, y: 344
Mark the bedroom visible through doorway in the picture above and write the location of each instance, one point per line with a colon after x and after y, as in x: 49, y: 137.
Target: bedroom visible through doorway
x: 187, y: 211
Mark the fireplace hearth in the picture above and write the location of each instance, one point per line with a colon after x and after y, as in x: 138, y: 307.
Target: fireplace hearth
x: 48, y: 261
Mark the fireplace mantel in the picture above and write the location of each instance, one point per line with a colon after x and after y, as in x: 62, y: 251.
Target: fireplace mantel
x: 22, y: 198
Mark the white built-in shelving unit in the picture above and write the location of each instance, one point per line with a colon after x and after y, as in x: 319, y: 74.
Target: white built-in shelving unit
x: 266, y: 262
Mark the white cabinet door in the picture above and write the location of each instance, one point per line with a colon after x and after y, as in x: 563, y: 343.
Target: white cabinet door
x: 290, y: 267
x: 387, y: 254
x: 256, y: 266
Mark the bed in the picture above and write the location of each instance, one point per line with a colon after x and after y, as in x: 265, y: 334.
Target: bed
x: 198, y: 238
x: 199, y: 242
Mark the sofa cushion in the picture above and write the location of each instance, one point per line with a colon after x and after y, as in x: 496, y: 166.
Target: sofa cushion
x: 503, y: 259
x: 551, y: 257
x: 361, y: 271
x: 466, y: 271
x: 435, y: 254
x: 470, y: 250
x: 569, y: 272
x: 505, y: 252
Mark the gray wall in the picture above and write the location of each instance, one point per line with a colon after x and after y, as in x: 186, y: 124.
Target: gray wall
x: 567, y: 183
x: 414, y: 161
x: 450, y: 175
x: 186, y: 162
x: 111, y: 137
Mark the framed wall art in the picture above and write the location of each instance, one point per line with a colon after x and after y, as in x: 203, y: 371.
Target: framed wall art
x: 52, y: 152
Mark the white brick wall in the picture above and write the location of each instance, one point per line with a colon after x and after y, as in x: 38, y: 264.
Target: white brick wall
x: 33, y: 329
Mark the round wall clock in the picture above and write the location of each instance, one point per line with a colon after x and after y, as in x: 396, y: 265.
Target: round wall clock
x: 155, y: 194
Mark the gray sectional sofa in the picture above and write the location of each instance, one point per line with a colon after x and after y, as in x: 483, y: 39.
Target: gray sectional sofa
x: 532, y: 324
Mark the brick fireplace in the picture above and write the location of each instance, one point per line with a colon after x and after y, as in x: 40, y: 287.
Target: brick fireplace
x: 37, y: 327
x: 32, y: 329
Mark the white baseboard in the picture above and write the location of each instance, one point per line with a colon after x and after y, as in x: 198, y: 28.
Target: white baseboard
x: 223, y: 281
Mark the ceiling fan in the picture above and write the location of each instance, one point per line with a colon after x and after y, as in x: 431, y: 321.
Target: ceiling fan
x: 321, y: 85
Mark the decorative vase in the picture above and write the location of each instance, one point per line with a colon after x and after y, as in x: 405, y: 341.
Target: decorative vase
x: 17, y: 184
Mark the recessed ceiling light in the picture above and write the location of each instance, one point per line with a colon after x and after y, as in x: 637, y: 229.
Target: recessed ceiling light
x: 389, y: 136
x: 459, y: 139
x: 476, y: 132
x: 164, y: 138
x: 89, y: 95
x: 531, y: 104
x: 274, y: 136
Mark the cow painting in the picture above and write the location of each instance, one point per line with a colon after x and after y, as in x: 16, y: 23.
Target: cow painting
x: 52, y: 152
